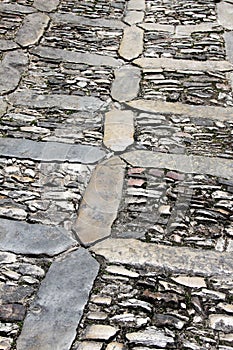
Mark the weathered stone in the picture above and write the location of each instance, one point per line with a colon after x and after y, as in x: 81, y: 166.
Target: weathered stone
x: 32, y: 29
x: 163, y: 320
x: 134, y: 17
x: 125, y: 87
x: 5, y: 343
x: 150, y: 337
x: 158, y: 27
x: 54, y: 315
x: 136, y: 5
x: 7, y: 258
x: 225, y: 14
x: 212, y: 112
x: 100, y: 203
x: 118, y: 129
x: 132, y: 43
x: 23, y: 238
x: 120, y: 270
x: 70, y: 102
x: 185, y: 30
x: 115, y: 346
x: 101, y: 300
x: 165, y: 258
x: 12, y: 312
x: 15, y: 8
x: 13, y: 213
x: 190, y: 65
x: 228, y: 36
x: 11, y: 67
x: 97, y: 316
x: 50, y: 151
x: 192, y: 282
x: 99, y: 332
x: 226, y: 307
x: 7, y: 45
x: 88, y: 345
x: 46, y: 6
x: 3, y: 107
x: 221, y: 323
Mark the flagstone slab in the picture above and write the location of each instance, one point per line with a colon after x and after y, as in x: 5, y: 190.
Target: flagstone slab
x: 225, y: 14
x: 49, y: 151
x: 136, y: 5
x: 163, y: 258
x: 158, y: 27
x: 33, y: 239
x: 228, y: 36
x: 7, y: 44
x: 54, y: 315
x: 179, y: 162
x: 132, y: 43
x: 15, y: 8
x: 45, y: 5
x: 192, y: 28
x: 32, y: 29
x: 3, y: 107
x: 134, y: 17
x: 125, y: 87
x: 100, y: 203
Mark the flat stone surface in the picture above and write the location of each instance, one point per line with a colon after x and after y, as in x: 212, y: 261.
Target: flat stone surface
x: 49, y: 151
x: 71, y: 102
x: 11, y: 67
x: 190, y: 65
x: 218, y: 113
x: 132, y: 43
x: 136, y: 5
x: 32, y: 29
x: 165, y: 258
x: 45, y: 5
x: 125, y: 87
x: 189, y: 29
x: 61, y: 55
x: 150, y: 337
x: 99, y: 332
x: 88, y: 345
x: 228, y: 36
x: 222, y: 323
x: 100, y: 203
x: 134, y: 17
x: 225, y: 14
x: 192, y: 282
x: 118, y: 130
x: 16, y: 8
x: 7, y: 45
x: 54, y: 315
x: 23, y: 238
x: 158, y: 27
x: 3, y: 106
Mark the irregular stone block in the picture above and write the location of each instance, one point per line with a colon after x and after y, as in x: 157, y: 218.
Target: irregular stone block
x: 32, y: 29
x: 132, y: 43
x: 99, y: 332
x: 100, y: 203
x: 7, y: 45
x: 136, y: 5
x: 225, y: 14
x: 35, y: 239
x: 125, y: 87
x: 54, y: 315
x: 228, y: 36
x: 191, y: 282
x: 45, y: 5
x: 134, y: 17
x: 88, y: 345
x: 165, y: 258
x: 222, y: 323
x: 49, y: 151
x: 12, y: 312
x: 184, y: 30
x: 118, y: 130
x: 151, y: 336
x: 158, y: 27
x: 16, y: 8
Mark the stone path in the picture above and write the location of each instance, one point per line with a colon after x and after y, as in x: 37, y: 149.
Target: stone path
x: 116, y: 175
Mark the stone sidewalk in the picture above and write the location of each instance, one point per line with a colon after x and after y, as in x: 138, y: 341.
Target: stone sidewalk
x: 116, y: 175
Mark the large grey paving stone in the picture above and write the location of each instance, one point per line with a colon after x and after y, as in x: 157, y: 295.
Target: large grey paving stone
x: 49, y: 151
x: 15, y: 8
x: 125, y: 87
x: 33, y: 239
x: 136, y: 5
x: 100, y: 203
x: 61, y: 55
x: 45, y: 5
x: 54, y: 316
x: 177, y: 260
x: 225, y: 14
x: 7, y: 44
x: 184, y: 163
x: 132, y: 43
x: 32, y: 29
x: 228, y: 36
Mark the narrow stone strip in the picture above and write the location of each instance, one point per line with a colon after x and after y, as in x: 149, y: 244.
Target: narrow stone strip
x: 212, y: 112
x: 228, y: 36
x: 16, y: 8
x: 132, y: 43
x: 3, y: 107
x: 225, y: 14
x: 158, y: 27
x: 184, y: 163
x: 100, y: 203
x: 6, y: 45
x: 118, y: 130
x: 71, y: 102
x: 33, y: 239
x: 60, y: 55
x: 170, y: 63
x: 32, y: 29
x: 45, y: 5
x: 49, y: 151
x: 165, y: 258
x: 134, y: 17
x: 125, y: 87
x: 54, y: 316
x: 193, y: 28
x: 136, y: 5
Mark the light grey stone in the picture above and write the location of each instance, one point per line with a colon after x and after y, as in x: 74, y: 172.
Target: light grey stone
x: 188, y: 164
x: 120, y: 270
x: 225, y: 14
x: 70, y: 102
x: 11, y: 67
x: 165, y: 258
x: 118, y: 129
x: 88, y: 345
x: 221, y: 322
x: 151, y: 336
x: 100, y: 203
x: 49, y: 151
x: 186, y: 30
x: 228, y: 36
x: 192, y: 282
x: 226, y: 307
x: 23, y: 238
x: 16, y: 8
x: 134, y: 17
x: 212, y: 112
x: 61, y: 55
x: 3, y: 107
x: 32, y: 29
x: 7, y: 45
x: 132, y: 43
x: 45, y: 5
x: 13, y: 213
x: 7, y: 258
x: 99, y: 332
x: 125, y: 87
x: 136, y: 5
x: 190, y: 65
x: 158, y: 27
x: 54, y: 315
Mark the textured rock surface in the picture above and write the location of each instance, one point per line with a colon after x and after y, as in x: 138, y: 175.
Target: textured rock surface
x: 132, y: 43
x: 46, y: 6
x: 125, y: 87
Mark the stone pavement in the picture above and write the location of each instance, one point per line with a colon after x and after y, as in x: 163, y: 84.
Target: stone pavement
x: 116, y: 174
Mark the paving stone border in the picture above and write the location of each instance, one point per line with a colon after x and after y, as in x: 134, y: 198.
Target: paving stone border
x: 225, y: 14
x: 46, y: 6
x: 132, y: 43
x: 125, y: 87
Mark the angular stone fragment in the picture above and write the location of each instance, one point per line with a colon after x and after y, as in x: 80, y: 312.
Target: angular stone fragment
x: 186, y: 164
x: 12, y: 312
x: 50, y: 151
x: 226, y: 307
x: 192, y: 282
x: 165, y: 258
x: 13, y: 213
x: 228, y: 36
x: 100, y: 203
x: 158, y: 27
x: 136, y: 5
x: 125, y: 87
x: 32, y: 29
x: 186, y: 30
x: 120, y: 270
x: 99, y: 332
x: 221, y: 323
x: 23, y: 238
x: 134, y: 17
x: 150, y: 337
x: 88, y: 345
x: 225, y: 14
x: 3, y: 107
x: 118, y: 130
x: 70, y: 102
x: 15, y: 8
x: 163, y: 320
x: 115, y: 346
x: 54, y: 315
x: 132, y: 43
x: 45, y: 5
x: 7, y: 45
x: 7, y: 258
